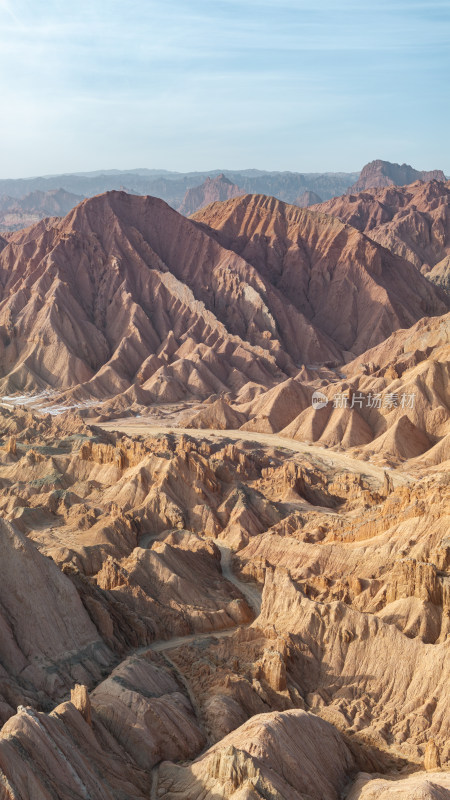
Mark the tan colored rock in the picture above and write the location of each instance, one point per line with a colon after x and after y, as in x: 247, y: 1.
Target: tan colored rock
x: 219, y: 415
x: 11, y: 446
x: 48, y: 639
x: 426, y: 786
x: 432, y: 759
x: 145, y: 708
x: 347, y: 657
x: 60, y: 755
x: 273, y: 669
x: 79, y: 697
x: 261, y: 316
x: 248, y: 762
x: 312, y: 251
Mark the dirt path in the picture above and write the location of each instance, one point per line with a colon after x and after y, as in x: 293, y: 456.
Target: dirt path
x: 146, y: 426
x: 179, y: 641
x: 251, y: 594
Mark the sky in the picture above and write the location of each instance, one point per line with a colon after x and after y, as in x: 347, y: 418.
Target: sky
x: 300, y: 85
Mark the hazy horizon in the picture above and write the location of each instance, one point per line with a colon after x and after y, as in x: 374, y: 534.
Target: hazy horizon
x: 163, y: 171
x: 296, y: 86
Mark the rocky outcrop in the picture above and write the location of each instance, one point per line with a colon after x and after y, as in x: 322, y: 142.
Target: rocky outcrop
x: 347, y: 657
x: 384, y: 173
x: 412, y: 221
x: 318, y: 255
x: 247, y: 763
x: 61, y: 755
x: 276, y: 408
x: 79, y: 697
x: 219, y: 415
x: 48, y: 640
x: 431, y: 786
x: 432, y: 759
x: 145, y: 708
x: 11, y: 446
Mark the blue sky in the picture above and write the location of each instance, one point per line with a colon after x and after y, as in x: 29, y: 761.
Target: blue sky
x: 302, y: 85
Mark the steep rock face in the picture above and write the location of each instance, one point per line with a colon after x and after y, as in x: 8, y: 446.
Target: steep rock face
x: 60, y: 755
x: 248, y: 762
x: 347, y: 286
x: 383, y: 173
x: 48, y: 639
x: 126, y: 291
x: 348, y: 657
x: 411, y: 221
x: 126, y: 296
x: 145, y: 709
x: 211, y: 191
x: 426, y: 786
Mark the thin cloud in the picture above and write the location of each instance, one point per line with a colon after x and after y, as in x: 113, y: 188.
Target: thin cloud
x: 6, y: 8
x: 175, y: 83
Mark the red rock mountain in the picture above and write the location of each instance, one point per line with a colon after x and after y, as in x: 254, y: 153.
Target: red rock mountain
x: 347, y: 286
x: 383, y: 173
x: 213, y: 189
x: 412, y: 221
x: 125, y: 293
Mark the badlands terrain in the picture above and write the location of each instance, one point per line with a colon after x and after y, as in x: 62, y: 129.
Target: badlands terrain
x: 224, y: 494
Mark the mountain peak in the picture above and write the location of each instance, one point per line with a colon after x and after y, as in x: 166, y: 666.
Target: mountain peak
x: 213, y: 189
x: 379, y: 173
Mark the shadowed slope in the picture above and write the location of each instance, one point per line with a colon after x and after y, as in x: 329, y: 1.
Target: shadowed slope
x: 346, y: 285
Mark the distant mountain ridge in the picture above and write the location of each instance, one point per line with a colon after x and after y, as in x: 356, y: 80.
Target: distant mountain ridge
x: 378, y: 174
x: 172, y: 187
x: 213, y: 189
x: 308, y: 199
x: 17, y: 213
